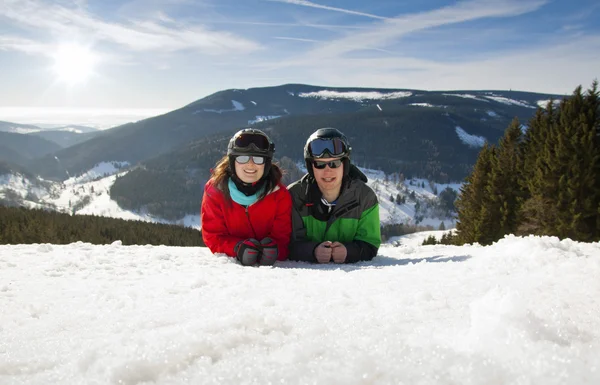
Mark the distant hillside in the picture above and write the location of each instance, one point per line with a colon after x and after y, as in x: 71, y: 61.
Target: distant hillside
x: 66, y: 138
x: 17, y: 128
x: 224, y: 112
x: 21, y: 149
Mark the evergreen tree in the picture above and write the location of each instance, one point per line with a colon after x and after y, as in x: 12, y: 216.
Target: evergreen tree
x: 473, y: 215
x: 503, y: 191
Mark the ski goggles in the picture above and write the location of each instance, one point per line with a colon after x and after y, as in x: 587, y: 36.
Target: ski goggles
x: 258, y: 141
x: 243, y: 159
x: 319, y: 164
x: 327, y: 147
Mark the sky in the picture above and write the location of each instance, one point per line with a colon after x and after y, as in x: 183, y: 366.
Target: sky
x: 164, y: 54
x: 521, y: 311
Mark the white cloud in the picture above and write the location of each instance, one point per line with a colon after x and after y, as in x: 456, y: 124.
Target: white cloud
x: 383, y: 33
x: 140, y: 35
x: 314, y: 5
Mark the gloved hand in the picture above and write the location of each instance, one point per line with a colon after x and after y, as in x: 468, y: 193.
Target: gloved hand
x: 270, y: 251
x: 248, y: 251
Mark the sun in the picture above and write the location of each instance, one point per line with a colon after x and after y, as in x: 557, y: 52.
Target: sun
x: 73, y: 64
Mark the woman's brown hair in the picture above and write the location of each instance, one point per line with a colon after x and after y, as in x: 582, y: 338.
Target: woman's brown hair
x: 223, y: 171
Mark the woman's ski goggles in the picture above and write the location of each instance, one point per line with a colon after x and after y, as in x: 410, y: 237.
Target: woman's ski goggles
x: 319, y: 164
x: 258, y: 141
x: 327, y: 147
x: 243, y: 159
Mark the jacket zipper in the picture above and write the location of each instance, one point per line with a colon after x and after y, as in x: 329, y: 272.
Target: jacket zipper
x: 250, y: 222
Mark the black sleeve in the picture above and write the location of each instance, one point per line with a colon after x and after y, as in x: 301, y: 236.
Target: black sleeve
x: 300, y: 248
x: 360, y: 251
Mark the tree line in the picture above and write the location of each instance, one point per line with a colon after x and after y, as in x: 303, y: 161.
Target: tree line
x: 19, y: 225
x: 543, y: 179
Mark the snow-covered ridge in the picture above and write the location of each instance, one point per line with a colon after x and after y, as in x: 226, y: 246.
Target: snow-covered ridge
x: 468, y: 96
x: 508, y: 101
x: 355, y: 95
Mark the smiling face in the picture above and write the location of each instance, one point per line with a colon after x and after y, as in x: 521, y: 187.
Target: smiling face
x: 249, y: 172
x: 329, y: 179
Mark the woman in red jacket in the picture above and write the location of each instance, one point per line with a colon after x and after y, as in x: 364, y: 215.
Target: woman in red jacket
x: 246, y: 210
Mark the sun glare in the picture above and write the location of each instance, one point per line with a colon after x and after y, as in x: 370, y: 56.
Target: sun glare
x: 73, y: 64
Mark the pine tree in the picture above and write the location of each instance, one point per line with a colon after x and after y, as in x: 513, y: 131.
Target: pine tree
x: 473, y: 216
x: 537, y: 213
x: 561, y: 170
x: 504, y: 192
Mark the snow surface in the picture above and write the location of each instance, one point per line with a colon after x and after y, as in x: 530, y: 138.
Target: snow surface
x: 237, y: 106
x: 355, y: 95
x: 544, y: 103
x: 508, y: 101
x: 522, y: 311
x: 468, y: 96
x: 468, y: 139
x: 263, y: 118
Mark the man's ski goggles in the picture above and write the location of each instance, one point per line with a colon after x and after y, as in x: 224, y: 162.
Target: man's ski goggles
x: 319, y: 164
x: 324, y: 148
x: 243, y: 159
x: 258, y: 141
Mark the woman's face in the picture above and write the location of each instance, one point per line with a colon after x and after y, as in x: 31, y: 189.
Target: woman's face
x: 249, y: 172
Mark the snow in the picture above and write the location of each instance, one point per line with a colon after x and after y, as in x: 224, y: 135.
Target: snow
x: 355, y: 95
x: 468, y: 96
x: 99, y: 170
x: 263, y: 118
x: 468, y: 139
x: 521, y: 311
x: 492, y: 113
x: 508, y: 101
x: 237, y: 106
x: 544, y: 103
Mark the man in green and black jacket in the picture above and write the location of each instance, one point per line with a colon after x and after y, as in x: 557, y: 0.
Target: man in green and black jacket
x: 335, y: 215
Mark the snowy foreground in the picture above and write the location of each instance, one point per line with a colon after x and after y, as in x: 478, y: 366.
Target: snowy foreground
x: 523, y: 311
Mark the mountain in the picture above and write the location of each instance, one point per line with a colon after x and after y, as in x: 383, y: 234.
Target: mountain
x: 67, y: 136
x: 398, y: 111
x: 21, y: 149
x: 17, y: 128
x: 433, y: 135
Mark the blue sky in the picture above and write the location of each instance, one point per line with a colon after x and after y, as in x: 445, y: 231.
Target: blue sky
x: 168, y: 53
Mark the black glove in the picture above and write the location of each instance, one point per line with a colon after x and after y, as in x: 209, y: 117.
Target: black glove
x: 270, y: 251
x: 248, y: 251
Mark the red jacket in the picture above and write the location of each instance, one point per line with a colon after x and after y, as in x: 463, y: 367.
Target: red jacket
x: 224, y: 224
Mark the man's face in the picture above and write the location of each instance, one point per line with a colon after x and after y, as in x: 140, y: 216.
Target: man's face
x: 328, y: 179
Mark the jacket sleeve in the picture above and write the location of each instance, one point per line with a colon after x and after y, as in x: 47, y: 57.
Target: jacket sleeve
x: 282, y: 225
x: 214, y: 229
x: 368, y: 237
x: 301, y: 248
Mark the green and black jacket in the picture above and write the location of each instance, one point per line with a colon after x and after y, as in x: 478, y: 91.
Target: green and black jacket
x: 354, y: 220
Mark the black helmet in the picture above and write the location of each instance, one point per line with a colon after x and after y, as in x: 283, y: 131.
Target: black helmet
x: 251, y: 141
x: 327, y: 143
